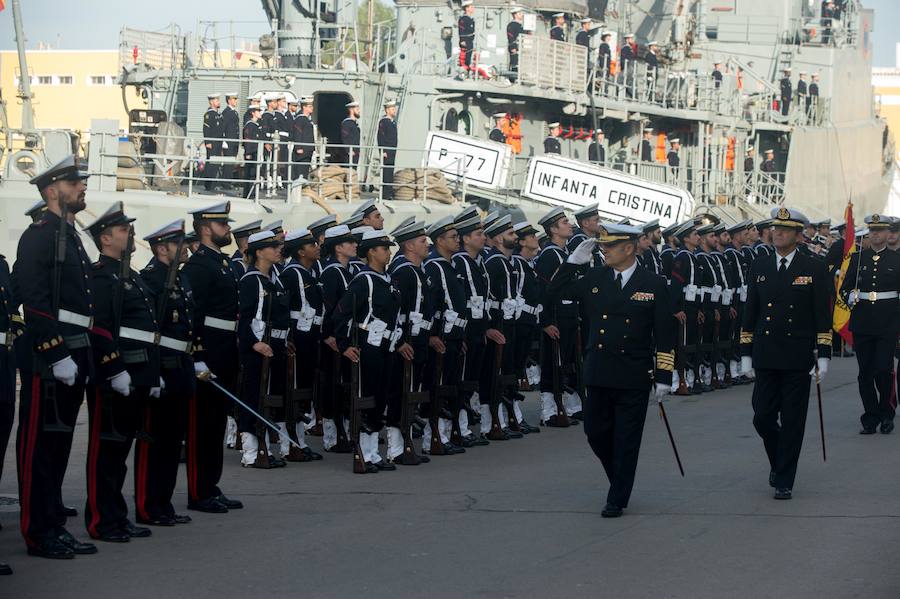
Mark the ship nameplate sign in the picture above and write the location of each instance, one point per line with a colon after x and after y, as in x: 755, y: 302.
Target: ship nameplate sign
x: 481, y: 163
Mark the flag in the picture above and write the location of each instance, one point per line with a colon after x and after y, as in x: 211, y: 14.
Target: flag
x: 840, y: 321
x: 2, y: 4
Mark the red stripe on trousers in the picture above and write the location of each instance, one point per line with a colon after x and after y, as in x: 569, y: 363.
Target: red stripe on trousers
x: 93, y: 455
x: 27, y: 457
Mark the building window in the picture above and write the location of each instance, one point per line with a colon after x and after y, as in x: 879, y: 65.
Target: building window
x: 65, y: 80
x: 100, y: 80
x: 45, y: 80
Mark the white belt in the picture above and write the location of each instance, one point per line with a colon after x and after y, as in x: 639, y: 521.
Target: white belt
x: 176, y: 344
x: 283, y: 133
x: 220, y: 323
x: 298, y: 315
x: 874, y: 296
x: 493, y: 304
x: 79, y: 320
x: 531, y: 309
x: 461, y: 323
x: 139, y: 335
x: 279, y: 333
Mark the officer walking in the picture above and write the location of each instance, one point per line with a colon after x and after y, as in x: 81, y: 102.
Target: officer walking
x: 213, y: 132
x: 466, y: 29
x: 870, y: 289
x: 304, y: 137
x: 387, y: 143
x: 630, y: 351
x: 215, y: 307
x: 787, y: 320
x: 558, y: 31
x: 252, y: 136
x: 231, y: 132
x: 551, y: 142
x: 59, y: 308
x: 513, y: 30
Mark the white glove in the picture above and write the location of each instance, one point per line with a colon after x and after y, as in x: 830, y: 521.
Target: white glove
x: 121, y: 383
x: 156, y: 391
x: 853, y: 297
x: 823, y: 369
x: 583, y: 253
x: 746, y: 364
x: 162, y: 384
x: 65, y: 371
x: 661, y: 391
x: 202, y: 372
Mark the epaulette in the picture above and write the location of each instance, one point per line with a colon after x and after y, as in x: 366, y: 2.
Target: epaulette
x: 39, y: 223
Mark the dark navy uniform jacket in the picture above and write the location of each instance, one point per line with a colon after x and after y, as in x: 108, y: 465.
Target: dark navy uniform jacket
x: 878, y: 273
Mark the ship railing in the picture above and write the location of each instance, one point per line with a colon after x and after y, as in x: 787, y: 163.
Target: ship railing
x: 552, y: 64
x: 154, y: 49
x: 272, y: 170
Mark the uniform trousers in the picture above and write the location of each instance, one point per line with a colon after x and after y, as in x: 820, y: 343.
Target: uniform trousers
x: 875, y: 356
x: 396, y: 390
x: 780, y: 402
x: 567, y: 343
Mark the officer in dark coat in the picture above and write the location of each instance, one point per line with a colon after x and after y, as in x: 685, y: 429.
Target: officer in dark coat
x: 787, y: 318
x: 513, y: 30
x: 126, y: 353
x: 231, y: 133
x: 213, y: 132
x: 350, y: 137
x: 583, y: 37
x: 630, y: 351
x: 59, y: 308
x: 156, y: 458
x: 11, y: 326
x: 496, y: 134
x: 466, y: 29
x: 304, y: 137
x: 387, y: 143
x: 604, y: 54
x: 647, y: 146
x: 597, y: 151
x: 787, y: 92
x: 870, y: 288
x: 252, y: 135
x: 208, y: 271
x: 281, y: 134
x: 558, y: 31
x: 551, y: 142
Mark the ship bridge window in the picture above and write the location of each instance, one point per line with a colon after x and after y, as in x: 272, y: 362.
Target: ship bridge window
x: 330, y: 111
x: 458, y: 122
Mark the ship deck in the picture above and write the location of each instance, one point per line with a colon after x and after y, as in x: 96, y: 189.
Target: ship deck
x: 522, y: 519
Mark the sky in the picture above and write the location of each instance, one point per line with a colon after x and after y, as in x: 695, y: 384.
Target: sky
x: 95, y: 24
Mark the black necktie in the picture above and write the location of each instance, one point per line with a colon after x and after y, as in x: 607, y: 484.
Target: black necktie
x: 783, y: 266
x: 619, y: 280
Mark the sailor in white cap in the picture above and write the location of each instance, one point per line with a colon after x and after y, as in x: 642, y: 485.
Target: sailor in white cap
x: 371, y: 215
x: 551, y: 142
x: 787, y: 92
x: 528, y: 310
x: 252, y: 101
x: 241, y: 235
x: 304, y: 138
x: 647, y: 145
x: 231, y: 132
x: 269, y: 134
x: 652, y: 61
x: 213, y: 132
x: 587, y: 220
x: 627, y: 63
x: 252, y: 136
x: 583, y: 37
x: 558, y: 31
x: 513, y: 30
x: 466, y: 31
x: 604, y: 53
x: 387, y: 143
x: 672, y: 157
x: 348, y: 154
x: 501, y: 120
x: 560, y: 320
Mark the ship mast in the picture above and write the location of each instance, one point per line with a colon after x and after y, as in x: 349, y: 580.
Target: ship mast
x: 24, y: 77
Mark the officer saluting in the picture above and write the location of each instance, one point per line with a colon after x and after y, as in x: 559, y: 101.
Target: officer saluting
x: 216, y: 306
x: 870, y: 288
x: 551, y: 142
x: 387, y: 142
x: 52, y: 277
x: 631, y: 346
x: 786, y: 320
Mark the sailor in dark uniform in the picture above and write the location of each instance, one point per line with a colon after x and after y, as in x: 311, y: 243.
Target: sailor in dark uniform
x: 213, y: 132
x: 870, y: 289
x: 672, y: 157
x: 282, y: 135
x: 208, y: 271
x: 802, y: 91
x: 559, y: 319
x: 317, y: 229
x: 448, y: 331
x: 231, y: 133
x: 647, y: 146
x: 739, y: 266
x: 787, y: 320
x: 241, y: 235
x: 787, y: 92
x: 304, y: 137
x: 269, y: 132
x: 36, y: 211
x: 369, y: 311
x: 687, y: 303
x: 528, y: 310
x: 466, y: 29
x: 630, y: 351
x: 350, y: 137
x: 717, y: 75
x: 11, y: 327
x: 597, y: 151
x: 670, y: 246
x: 583, y: 37
x: 650, y: 235
x: 252, y: 135
x: 812, y: 100
x: 558, y: 31
x: 58, y: 306
x: 387, y: 143
x: 513, y: 30
x: 604, y: 54
x: 627, y: 60
x: 126, y: 353
x: 501, y: 120
x: 588, y: 226
x: 763, y: 244
x: 252, y: 103
x: 157, y: 457
x: 551, y: 142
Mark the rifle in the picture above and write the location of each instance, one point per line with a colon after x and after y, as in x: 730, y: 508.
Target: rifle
x: 298, y: 399
x: 55, y: 424
x: 358, y: 402
x: 112, y: 434
x: 338, y: 389
x: 409, y: 401
x: 715, y: 353
x: 498, y: 384
x: 562, y: 419
x: 265, y: 400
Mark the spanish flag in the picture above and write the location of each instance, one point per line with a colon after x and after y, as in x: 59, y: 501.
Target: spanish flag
x: 2, y: 4
x: 840, y: 321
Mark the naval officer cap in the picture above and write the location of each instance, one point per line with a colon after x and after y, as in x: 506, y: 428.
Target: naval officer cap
x: 359, y: 231
x: 468, y: 226
x: 403, y: 223
x: 319, y: 226
x: 741, y: 226
x: 409, y: 231
x: 191, y: 237
x: 337, y: 234
x: 586, y: 212
x: 787, y: 217
x: 354, y: 220
x: 114, y: 216
x: 764, y: 224
x: 247, y: 230
x: 217, y: 212
x: 276, y: 226
x: 650, y: 226
x: 719, y: 228
x: 551, y: 217
x: 670, y: 230
x: 524, y: 229
x: 367, y: 208
x: 37, y: 210
x: 490, y: 218
x: 557, y: 15
x: 213, y: 96
x: 174, y: 231
x: 373, y: 239
x: 614, y: 233
x: 877, y: 222
x: 296, y: 239
x: 706, y: 229
x: 261, y: 240
x: 440, y: 226
x: 307, y: 100
x: 895, y: 223
x: 466, y: 214
x: 500, y: 225
x: 685, y: 229
x: 352, y: 104
x: 67, y: 169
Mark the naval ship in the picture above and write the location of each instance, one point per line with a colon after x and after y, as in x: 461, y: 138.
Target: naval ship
x: 714, y: 82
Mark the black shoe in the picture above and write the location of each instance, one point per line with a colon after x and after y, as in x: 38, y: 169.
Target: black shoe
x: 554, y: 421
x: 772, y: 479
x: 312, y: 455
x: 451, y: 449
x: 697, y: 389
x: 371, y: 468
x: 513, y: 434
x: 340, y: 448
x: 611, y: 511
x: 867, y: 430
x: 783, y: 493
x: 277, y: 462
x: 136, y: 532
x: 182, y: 519
x: 579, y: 415
x: 467, y: 441
x: 5, y: 570
x: 424, y: 459
x: 116, y: 536
x: 231, y: 504
x: 69, y: 512
x: 528, y: 427
x: 158, y: 521
x: 707, y: 388
x: 74, y: 545
x: 210, y: 506
x: 886, y: 427
x: 480, y: 440
x: 51, y: 549
x: 385, y: 465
